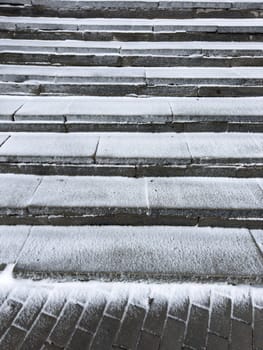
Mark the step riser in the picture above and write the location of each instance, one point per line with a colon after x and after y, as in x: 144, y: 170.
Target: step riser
x: 246, y: 219
x: 130, y: 36
x: 126, y: 126
x: 131, y: 12
x: 218, y: 170
x: 125, y: 61
x: 193, y: 90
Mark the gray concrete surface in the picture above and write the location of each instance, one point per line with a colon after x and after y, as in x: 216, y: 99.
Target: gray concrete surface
x: 157, y: 252
x: 90, y: 199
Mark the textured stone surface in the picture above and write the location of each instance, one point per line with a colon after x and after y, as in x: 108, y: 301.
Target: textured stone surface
x: 127, y: 148
x: 12, y: 240
x: 112, y: 251
x: 93, y: 197
x: 89, y: 194
x: 127, y: 113
x: 9, y: 107
x: 53, y: 147
x: 147, y: 9
x: 196, y: 193
x: 15, y: 193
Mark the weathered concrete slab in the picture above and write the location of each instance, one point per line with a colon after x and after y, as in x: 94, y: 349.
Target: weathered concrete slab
x: 135, y: 252
x: 154, y: 75
x: 12, y: 239
x: 189, y: 194
x: 62, y: 46
x: 141, y: 148
x: 121, y: 24
x: 55, y: 109
x: 183, y: 108
x: 16, y: 192
x: 117, y: 110
x: 52, y: 147
x: 89, y: 195
x: 258, y: 237
x: 3, y: 138
x: 194, y: 75
x: 159, y: 154
x: 8, y: 108
x: 100, y: 199
x: 122, y: 81
x: 162, y: 48
x: 213, y: 108
x: 74, y: 74
x: 209, y: 147
x: 139, y: 9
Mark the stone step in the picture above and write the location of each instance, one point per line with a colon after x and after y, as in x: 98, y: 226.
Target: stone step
x: 180, y: 114
x: 75, y: 200
x: 133, y: 154
x: 135, y: 253
x: 123, y: 29
x: 129, y: 8
x: 98, y: 315
x: 120, y: 81
x: 114, y: 53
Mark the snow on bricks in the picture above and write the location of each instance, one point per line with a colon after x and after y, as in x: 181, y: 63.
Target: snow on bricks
x: 96, y: 315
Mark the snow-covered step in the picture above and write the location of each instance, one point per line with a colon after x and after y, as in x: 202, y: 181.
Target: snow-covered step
x: 98, y: 315
x: 79, y: 113
x: 138, y: 8
x: 107, y: 252
x: 131, y: 29
x: 119, y: 81
x: 133, y: 154
x: 114, y: 53
x: 75, y: 200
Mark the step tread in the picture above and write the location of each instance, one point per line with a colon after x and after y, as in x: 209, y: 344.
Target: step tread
x: 129, y: 106
x: 115, y: 46
x: 94, y: 197
x: 243, y: 25
x: 186, y: 253
x: 113, y: 75
x: 162, y: 48
x: 133, y: 148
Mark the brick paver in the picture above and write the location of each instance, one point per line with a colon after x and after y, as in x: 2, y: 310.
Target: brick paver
x: 135, y: 327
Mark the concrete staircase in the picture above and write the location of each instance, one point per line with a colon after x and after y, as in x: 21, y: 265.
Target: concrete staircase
x: 131, y: 175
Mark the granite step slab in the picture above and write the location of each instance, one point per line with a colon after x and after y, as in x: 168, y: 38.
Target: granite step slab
x: 112, y: 53
x: 139, y: 9
x: 133, y: 154
x: 121, y: 253
x: 179, y: 114
x: 78, y: 200
x: 123, y: 29
x: 121, y: 81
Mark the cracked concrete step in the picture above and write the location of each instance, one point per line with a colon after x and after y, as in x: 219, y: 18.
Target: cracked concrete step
x: 113, y: 53
x: 133, y: 154
x: 97, y: 315
x: 181, y: 114
x: 128, y: 8
x: 135, y: 253
x: 124, y: 29
x: 65, y: 200
x: 119, y: 81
